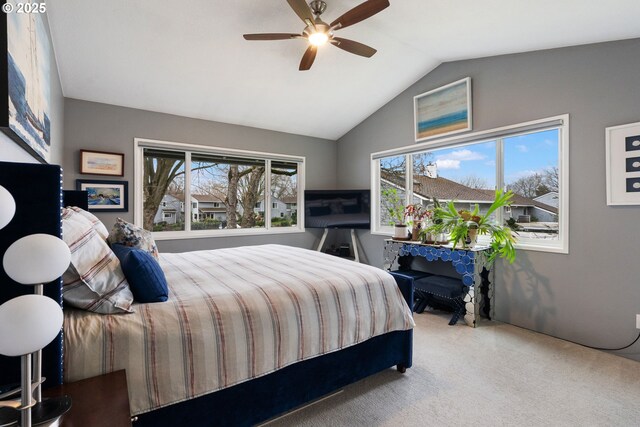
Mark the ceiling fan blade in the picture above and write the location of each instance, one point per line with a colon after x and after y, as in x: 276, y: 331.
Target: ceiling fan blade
x: 271, y: 36
x: 301, y: 8
x: 308, y: 58
x: 353, y: 47
x: 360, y: 13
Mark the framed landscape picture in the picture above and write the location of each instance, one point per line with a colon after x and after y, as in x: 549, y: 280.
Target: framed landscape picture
x: 101, y: 163
x: 623, y: 164
x: 25, y: 99
x: 443, y: 111
x: 105, y: 196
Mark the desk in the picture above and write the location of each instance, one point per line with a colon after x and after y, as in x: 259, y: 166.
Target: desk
x: 471, y: 265
x: 98, y: 401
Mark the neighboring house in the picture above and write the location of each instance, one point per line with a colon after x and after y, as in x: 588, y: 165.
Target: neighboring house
x: 279, y: 208
x: 291, y: 203
x: 206, y: 206
x: 171, y: 210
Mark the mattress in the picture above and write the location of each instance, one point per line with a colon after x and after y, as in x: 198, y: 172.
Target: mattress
x: 233, y: 315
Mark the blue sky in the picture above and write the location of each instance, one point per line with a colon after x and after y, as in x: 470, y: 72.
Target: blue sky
x: 524, y: 155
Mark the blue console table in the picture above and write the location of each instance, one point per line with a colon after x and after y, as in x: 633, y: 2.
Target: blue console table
x: 471, y: 265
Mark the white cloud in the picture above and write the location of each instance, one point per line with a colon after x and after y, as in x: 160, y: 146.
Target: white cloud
x: 490, y: 163
x: 522, y: 148
x: 463, y: 154
x: 448, y: 164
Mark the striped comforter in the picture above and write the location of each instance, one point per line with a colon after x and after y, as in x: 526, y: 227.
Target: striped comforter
x: 233, y: 315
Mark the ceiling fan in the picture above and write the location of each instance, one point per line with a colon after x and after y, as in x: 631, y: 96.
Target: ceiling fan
x: 317, y: 32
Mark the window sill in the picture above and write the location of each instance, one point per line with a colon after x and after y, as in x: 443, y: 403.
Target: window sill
x: 207, y: 234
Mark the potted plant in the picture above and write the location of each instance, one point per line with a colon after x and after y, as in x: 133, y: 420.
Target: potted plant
x: 414, y: 215
x: 464, y: 226
x: 394, y: 204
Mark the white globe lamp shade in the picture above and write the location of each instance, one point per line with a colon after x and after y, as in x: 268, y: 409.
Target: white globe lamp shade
x: 7, y: 207
x: 28, y: 323
x: 35, y: 259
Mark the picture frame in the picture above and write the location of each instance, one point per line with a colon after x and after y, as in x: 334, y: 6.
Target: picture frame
x: 25, y: 82
x: 101, y: 163
x: 443, y: 111
x: 105, y: 195
x: 623, y: 164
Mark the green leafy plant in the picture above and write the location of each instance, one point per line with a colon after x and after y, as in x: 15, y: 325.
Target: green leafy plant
x: 394, y: 205
x: 458, y: 223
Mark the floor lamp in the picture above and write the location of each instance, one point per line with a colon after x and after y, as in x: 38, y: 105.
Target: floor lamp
x: 30, y: 322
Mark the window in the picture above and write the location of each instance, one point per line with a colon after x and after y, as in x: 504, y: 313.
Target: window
x: 224, y: 187
x: 531, y: 159
x: 164, y: 204
x: 167, y: 215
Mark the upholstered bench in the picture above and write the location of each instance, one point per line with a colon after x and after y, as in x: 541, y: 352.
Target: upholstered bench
x: 406, y: 279
x: 443, y: 287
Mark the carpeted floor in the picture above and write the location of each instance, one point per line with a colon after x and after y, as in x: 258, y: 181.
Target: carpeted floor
x: 494, y: 375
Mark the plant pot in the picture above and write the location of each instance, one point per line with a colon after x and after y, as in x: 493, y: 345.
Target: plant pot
x: 472, y: 238
x: 415, y: 231
x: 400, y: 231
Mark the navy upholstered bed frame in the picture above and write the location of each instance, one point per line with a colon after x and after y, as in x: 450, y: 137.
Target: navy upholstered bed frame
x: 37, y: 191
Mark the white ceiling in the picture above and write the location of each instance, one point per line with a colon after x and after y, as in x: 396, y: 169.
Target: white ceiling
x: 188, y: 57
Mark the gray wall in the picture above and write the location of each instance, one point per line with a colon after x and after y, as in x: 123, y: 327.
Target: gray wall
x: 102, y: 127
x: 592, y: 294
x: 12, y: 152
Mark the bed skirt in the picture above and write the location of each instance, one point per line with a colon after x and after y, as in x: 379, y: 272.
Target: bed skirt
x: 262, y: 398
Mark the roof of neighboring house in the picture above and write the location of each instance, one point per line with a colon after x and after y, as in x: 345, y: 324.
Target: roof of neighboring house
x: 177, y: 196
x: 290, y: 199
x: 206, y: 198
x: 445, y: 189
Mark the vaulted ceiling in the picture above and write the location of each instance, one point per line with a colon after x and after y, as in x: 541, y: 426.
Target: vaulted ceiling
x: 188, y: 57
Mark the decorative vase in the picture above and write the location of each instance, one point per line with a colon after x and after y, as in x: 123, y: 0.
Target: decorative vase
x: 400, y: 231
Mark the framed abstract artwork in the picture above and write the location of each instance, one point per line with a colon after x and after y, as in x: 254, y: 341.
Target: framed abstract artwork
x: 105, y: 196
x: 25, y: 60
x: 443, y: 111
x: 623, y: 164
x: 101, y: 163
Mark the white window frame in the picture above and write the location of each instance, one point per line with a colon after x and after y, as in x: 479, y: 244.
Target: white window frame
x: 561, y: 122
x: 139, y: 144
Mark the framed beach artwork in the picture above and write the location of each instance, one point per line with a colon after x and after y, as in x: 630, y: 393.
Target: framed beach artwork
x: 623, y: 164
x: 25, y: 99
x: 105, y: 196
x: 443, y: 111
x: 101, y: 163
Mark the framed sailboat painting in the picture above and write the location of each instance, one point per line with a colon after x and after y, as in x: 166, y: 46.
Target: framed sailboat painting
x: 25, y: 101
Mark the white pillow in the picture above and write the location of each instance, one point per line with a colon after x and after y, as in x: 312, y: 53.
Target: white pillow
x: 94, y: 281
x: 95, y: 222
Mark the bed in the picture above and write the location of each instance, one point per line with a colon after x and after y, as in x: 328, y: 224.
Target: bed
x: 205, y: 376
x: 233, y: 316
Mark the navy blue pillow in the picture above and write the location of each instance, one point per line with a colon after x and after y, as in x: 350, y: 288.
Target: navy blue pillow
x: 144, y: 274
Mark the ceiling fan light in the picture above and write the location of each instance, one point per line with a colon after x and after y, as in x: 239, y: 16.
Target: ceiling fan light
x: 318, y: 39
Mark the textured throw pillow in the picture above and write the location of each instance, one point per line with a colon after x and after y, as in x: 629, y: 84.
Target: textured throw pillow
x: 94, y: 280
x: 144, y: 274
x: 97, y: 224
x: 127, y: 234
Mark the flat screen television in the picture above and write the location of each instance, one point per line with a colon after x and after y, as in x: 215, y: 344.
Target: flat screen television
x: 337, y: 209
